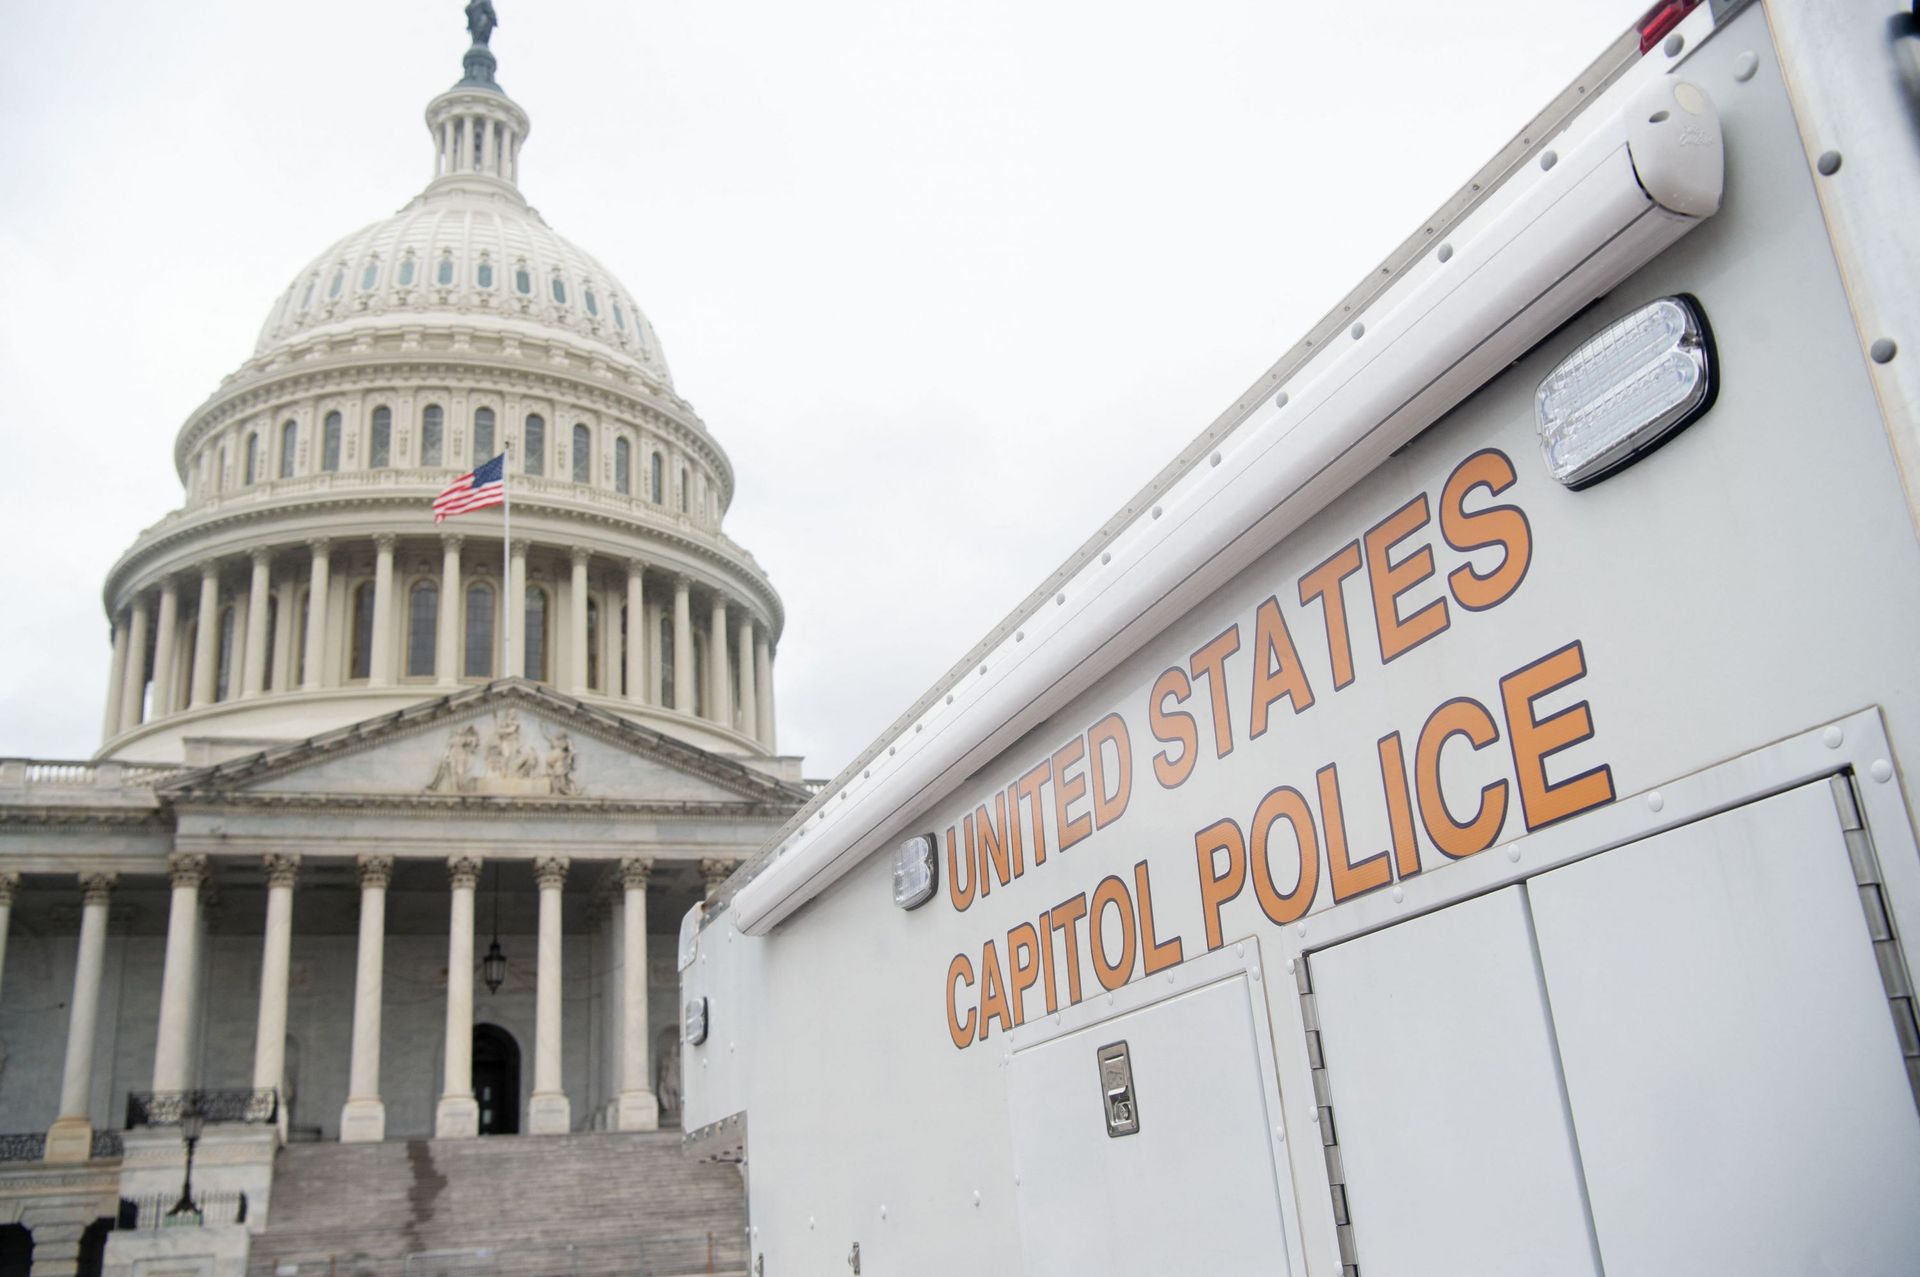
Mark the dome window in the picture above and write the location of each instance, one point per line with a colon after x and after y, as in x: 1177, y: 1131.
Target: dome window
x: 339, y: 282
x: 482, y: 436
x: 536, y: 637
x: 432, y: 422
x: 406, y: 272
x: 370, y: 276
x: 560, y: 290
x: 380, y: 448
x: 289, y: 441
x: 593, y: 303
x: 656, y: 479
x: 479, y: 627
x: 623, y: 467
x: 253, y: 459
x: 523, y: 280
x: 483, y: 273
x: 619, y: 317
x: 444, y: 276
x: 534, y: 445
x: 582, y: 454
x: 330, y: 443
x: 423, y: 622
x: 306, y: 298
x: 360, y: 655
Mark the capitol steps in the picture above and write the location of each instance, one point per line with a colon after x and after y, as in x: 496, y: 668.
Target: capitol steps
x: 544, y: 1206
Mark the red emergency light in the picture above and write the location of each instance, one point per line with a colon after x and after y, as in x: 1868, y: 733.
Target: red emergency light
x: 1662, y: 18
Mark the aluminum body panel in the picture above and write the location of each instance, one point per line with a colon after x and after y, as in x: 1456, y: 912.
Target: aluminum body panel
x: 1739, y: 1095
x: 1447, y: 1100
x: 1203, y: 1155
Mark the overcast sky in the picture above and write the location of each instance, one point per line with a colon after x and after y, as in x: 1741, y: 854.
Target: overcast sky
x: 948, y: 281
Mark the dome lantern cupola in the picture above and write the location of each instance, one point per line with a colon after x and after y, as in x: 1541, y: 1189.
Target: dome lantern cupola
x: 477, y: 129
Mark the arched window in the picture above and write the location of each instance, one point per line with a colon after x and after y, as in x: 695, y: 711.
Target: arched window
x: 560, y: 290
x: 406, y: 271
x: 220, y: 473
x: 423, y: 628
x: 432, y: 420
x: 619, y: 317
x: 593, y: 643
x: 253, y: 459
x: 536, y: 643
x: 686, y: 486
x: 483, y: 273
x: 444, y: 276
x: 533, y: 447
x: 339, y: 282
x: 523, y: 280
x: 380, y: 448
x: 299, y: 640
x: 664, y: 646
x: 306, y: 298
x: 582, y: 454
x: 482, y: 435
x: 223, y: 669
x: 360, y: 659
x: 289, y: 443
x: 370, y: 276
x: 479, y: 657
x: 593, y: 303
x: 273, y: 635
x: 623, y: 467
x: 330, y: 443
x: 655, y: 478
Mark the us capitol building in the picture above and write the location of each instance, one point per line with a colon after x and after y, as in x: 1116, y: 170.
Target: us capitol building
x: 393, y: 823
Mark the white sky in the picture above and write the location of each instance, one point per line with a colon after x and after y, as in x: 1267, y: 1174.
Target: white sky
x: 949, y: 281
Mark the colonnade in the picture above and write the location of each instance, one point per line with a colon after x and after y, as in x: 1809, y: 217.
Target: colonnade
x: 633, y: 1107
x: 295, y: 627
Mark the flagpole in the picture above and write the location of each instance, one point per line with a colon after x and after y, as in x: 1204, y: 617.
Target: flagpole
x: 506, y: 558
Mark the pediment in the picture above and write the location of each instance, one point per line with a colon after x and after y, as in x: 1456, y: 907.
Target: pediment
x: 510, y: 741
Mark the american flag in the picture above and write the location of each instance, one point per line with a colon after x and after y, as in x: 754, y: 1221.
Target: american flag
x: 485, y: 485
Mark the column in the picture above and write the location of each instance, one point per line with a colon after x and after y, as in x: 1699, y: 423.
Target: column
x: 177, y: 980
x: 639, y: 1109
x: 166, y: 652
x: 133, y: 692
x: 316, y: 649
x: 614, y: 944
x: 206, y: 647
x: 577, y: 624
x: 116, y: 681
x: 763, y: 689
x: 719, y: 683
x: 9, y: 883
x: 517, y: 610
x: 715, y: 871
x: 255, y: 668
x: 458, y: 1115
x: 270, y: 1029
x: 652, y: 613
x: 446, y: 646
x: 637, y: 636
x: 56, y: 1241
x: 548, y: 1112
x: 749, y: 714
x: 380, y: 660
x: 683, y: 664
x: 282, y: 676
x: 71, y: 1137
x: 364, y: 1119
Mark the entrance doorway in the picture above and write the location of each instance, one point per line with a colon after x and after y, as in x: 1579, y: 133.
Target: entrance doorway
x: 496, y: 1079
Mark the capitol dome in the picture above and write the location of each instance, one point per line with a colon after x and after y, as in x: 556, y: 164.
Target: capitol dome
x: 304, y: 586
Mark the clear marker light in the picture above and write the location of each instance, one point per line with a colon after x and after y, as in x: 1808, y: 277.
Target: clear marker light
x: 1624, y: 390
x: 915, y: 871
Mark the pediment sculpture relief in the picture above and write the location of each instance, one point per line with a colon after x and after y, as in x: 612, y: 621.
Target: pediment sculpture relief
x: 504, y: 763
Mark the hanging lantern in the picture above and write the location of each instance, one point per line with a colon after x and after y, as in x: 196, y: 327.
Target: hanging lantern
x: 493, y: 967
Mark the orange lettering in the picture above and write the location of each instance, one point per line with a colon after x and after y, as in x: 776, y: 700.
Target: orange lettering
x: 1327, y: 583
x: 1502, y: 525
x: 1470, y: 719
x: 1218, y: 888
x: 1277, y: 671
x: 1172, y: 727
x: 1389, y: 580
x: 1285, y: 803
x: 1211, y: 661
x: 1110, y: 806
x: 1534, y: 740
x: 1113, y: 974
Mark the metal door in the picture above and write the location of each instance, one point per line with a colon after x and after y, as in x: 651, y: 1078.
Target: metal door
x: 1196, y: 1186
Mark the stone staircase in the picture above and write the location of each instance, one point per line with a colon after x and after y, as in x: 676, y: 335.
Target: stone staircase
x: 538, y: 1206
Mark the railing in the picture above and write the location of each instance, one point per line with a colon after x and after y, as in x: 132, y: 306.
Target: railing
x: 724, y: 1255
x: 155, y: 1211
x: 166, y: 1108
x: 61, y: 774
x: 32, y: 1146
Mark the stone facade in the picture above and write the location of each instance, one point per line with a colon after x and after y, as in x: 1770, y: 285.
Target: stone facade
x: 394, y: 822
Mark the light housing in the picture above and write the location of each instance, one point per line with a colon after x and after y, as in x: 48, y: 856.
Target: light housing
x: 916, y: 871
x: 693, y: 1022
x: 1625, y: 390
x: 690, y: 933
